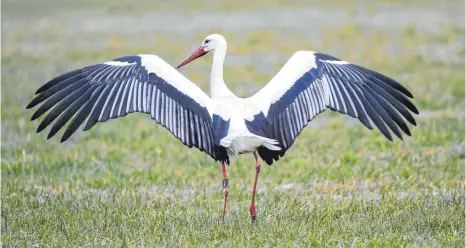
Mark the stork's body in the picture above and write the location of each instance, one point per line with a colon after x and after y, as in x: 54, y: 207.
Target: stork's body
x: 224, y: 125
x: 238, y: 138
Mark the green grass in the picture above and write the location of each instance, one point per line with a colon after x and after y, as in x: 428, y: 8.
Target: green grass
x: 128, y: 182
x: 119, y: 218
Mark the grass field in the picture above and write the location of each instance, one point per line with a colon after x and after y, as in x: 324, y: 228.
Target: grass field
x: 128, y: 182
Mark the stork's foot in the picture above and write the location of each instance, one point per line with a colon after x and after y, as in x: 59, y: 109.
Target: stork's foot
x: 225, y: 193
x: 252, y: 213
x: 252, y: 208
x: 253, y: 219
x: 225, y: 197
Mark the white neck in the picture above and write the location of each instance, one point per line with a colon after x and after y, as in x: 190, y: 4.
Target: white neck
x: 218, y: 89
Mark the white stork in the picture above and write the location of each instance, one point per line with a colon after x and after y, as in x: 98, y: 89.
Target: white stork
x: 224, y: 125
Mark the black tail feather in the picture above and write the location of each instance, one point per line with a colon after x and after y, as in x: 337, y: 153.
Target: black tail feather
x: 269, y: 156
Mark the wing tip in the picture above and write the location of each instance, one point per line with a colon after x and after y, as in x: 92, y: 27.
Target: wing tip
x: 89, y: 124
x: 66, y: 135
x: 36, y: 115
x: 409, y: 94
x: 31, y: 104
x: 54, y: 130
x: 40, y: 128
x: 408, y: 133
x: 50, y: 135
x: 40, y: 90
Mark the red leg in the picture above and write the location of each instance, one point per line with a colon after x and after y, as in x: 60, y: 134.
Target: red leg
x: 225, y: 191
x: 252, y: 208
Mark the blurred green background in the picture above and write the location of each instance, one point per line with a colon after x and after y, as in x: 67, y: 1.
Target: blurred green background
x: 128, y: 182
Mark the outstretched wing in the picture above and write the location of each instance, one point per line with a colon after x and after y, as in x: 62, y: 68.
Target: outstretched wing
x: 311, y: 82
x: 140, y: 83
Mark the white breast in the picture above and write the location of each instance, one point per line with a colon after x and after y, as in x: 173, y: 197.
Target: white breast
x: 239, y: 140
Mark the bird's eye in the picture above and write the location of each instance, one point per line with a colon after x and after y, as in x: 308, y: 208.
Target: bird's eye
x: 206, y: 41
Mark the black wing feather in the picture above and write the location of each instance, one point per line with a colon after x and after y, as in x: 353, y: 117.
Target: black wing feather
x: 82, y: 114
x: 96, y: 108
x: 396, y: 104
x: 58, y: 79
x: 391, y: 112
x: 70, y: 111
x: 57, y: 110
x: 56, y: 98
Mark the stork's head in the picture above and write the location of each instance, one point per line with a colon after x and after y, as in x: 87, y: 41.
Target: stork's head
x: 210, y: 43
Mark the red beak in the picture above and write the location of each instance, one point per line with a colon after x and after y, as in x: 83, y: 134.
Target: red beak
x: 199, y: 52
